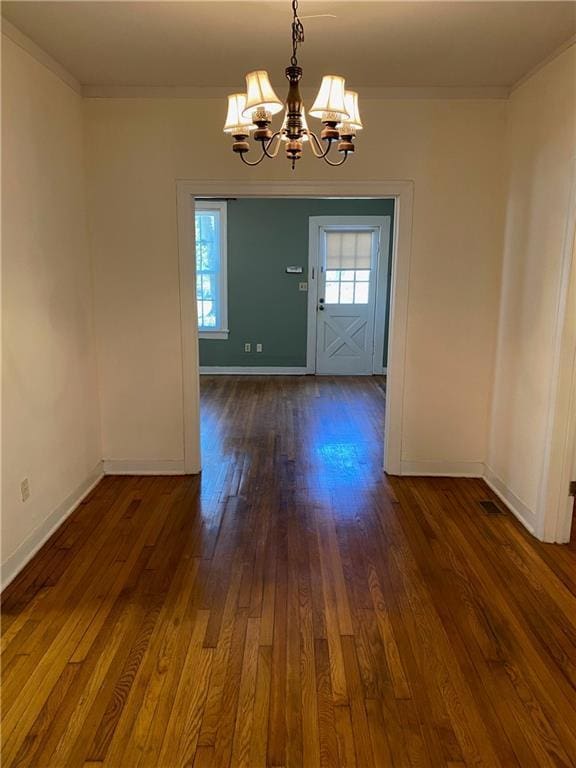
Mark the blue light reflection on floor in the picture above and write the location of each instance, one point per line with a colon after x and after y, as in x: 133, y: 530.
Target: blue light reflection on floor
x: 321, y: 436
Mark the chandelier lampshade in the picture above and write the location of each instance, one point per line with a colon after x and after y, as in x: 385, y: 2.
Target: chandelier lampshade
x: 352, y: 123
x: 260, y: 95
x: 330, y: 99
x: 236, y: 124
x: 336, y: 108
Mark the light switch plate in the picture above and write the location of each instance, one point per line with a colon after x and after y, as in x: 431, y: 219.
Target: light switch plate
x: 302, y: 286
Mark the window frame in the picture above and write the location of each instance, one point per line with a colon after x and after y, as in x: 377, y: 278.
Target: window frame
x: 221, y: 331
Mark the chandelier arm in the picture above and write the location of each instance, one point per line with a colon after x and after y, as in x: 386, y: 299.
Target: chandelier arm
x: 317, y: 149
x: 248, y: 162
x: 340, y: 162
x: 268, y: 144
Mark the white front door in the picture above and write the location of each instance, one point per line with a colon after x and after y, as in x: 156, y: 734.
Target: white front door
x: 346, y: 294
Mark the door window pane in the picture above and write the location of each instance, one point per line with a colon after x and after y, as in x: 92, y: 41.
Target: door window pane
x: 353, y: 291
x: 332, y: 293
x: 346, y: 293
x: 361, y: 293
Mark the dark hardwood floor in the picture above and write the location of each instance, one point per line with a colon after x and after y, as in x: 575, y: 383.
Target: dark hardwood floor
x: 292, y: 607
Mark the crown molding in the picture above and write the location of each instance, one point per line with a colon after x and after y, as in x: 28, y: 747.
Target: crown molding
x: 28, y: 45
x: 554, y: 55
x: 370, y: 92
x: 204, y: 92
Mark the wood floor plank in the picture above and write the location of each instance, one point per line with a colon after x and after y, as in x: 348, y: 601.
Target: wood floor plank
x: 337, y: 673
x: 307, y: 661
x: 346, y: 751
x: 326, y: 716
x: 214, y: 701
x: 259, y: 735
x: 292, y: 608
x: 377, y: 726
x: 245, y: 716
x: 230, y: 694
x: 141, y: 728
x: 183, y: 727
x: 293, y: 705
x: 277, y: 723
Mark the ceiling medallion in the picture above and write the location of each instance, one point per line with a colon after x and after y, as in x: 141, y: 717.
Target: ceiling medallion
x: 336, y: 108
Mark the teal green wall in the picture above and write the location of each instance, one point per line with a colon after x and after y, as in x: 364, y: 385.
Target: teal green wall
x: 264, y: 303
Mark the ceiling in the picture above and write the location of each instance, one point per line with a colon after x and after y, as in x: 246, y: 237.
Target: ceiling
x: 379, y: 44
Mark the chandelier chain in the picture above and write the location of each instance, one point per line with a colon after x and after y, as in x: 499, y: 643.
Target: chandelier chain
x: 297, y: 33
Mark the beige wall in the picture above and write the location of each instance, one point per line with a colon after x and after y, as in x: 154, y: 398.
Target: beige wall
x: 454, y: 152
x: 542, y: 153
x: 50, y: 428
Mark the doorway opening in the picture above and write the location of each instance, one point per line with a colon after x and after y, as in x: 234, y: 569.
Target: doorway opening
x: 295, y: 267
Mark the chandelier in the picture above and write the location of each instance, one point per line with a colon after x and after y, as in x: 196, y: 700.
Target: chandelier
x: 336, y: 107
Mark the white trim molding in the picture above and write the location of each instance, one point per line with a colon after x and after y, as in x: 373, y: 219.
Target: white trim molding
x: 144, y: 467
x: 403, y: 193
x: 554, y: 512
x: 253, y: 370
x: 308, y: 93
x: 541, y: 64
x: 434, y: 468
x: 518, y: 508
x: 214, y: 334
x: 40, y: 55
x: 40, y: 535
x: 186, y: 210
x: 398, y: 323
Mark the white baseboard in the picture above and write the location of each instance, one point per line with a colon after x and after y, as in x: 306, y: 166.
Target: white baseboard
x: 26, y: 551
x: 254, y: 370
x: 434, y: 468
x: 518, y: 508
x: 14, y: 564
x: 474, y: 469
x: 144, y: 467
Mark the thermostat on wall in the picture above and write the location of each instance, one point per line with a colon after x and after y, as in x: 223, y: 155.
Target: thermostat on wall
x: 294, y: 270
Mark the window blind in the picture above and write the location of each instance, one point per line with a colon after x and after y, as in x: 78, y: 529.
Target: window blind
x: 348, y: 250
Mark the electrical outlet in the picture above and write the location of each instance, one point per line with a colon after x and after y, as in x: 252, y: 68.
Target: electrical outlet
x: 247, y: 347
x: 258, y: 347
x: 25, y: 489
x: 302, y: 286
